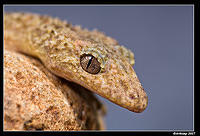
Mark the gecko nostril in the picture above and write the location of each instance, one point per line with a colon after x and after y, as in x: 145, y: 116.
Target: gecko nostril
x: 131, y: 96
x: 90, y: 64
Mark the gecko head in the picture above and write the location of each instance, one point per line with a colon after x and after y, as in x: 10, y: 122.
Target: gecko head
x: 107, y: 70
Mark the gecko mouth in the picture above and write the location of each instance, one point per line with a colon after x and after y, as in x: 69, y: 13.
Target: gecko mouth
x: 101, y: 67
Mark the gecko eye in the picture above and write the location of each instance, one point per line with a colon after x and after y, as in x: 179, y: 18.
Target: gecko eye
x: 90, y: 64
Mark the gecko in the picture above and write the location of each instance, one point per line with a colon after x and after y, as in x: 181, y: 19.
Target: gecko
x: 89, y: 58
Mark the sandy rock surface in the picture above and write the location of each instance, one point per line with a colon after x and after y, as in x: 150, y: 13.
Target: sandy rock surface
x: 35, y: 99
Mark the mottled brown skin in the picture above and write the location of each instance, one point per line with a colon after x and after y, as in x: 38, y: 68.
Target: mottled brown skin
x: 59, y: 46
x: 36, y: 99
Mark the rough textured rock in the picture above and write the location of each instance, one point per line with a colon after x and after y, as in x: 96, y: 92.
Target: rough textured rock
x: 35, y: 99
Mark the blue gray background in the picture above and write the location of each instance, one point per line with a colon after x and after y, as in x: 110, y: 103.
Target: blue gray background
x: 161, y: 38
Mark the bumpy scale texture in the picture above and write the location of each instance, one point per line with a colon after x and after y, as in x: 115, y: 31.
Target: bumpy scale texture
x: 59, y: 46
x: 36, y: 99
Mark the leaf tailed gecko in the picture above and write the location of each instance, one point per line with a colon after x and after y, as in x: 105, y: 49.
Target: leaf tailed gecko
x: 88, y: 58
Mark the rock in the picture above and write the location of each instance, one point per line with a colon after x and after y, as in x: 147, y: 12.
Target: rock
x: 35, y: 99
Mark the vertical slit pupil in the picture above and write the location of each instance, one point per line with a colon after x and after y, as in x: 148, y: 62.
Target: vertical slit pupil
x: 89, y: 62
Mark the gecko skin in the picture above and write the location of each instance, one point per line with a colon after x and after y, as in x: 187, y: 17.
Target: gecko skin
x: 60, y: 46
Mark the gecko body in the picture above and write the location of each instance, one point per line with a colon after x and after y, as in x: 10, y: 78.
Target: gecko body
x: 89, y: 58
